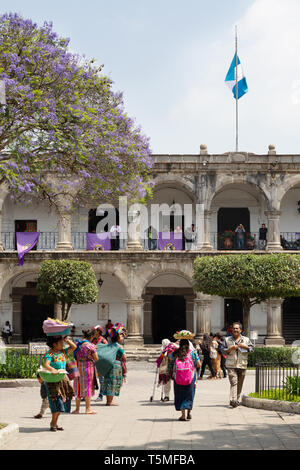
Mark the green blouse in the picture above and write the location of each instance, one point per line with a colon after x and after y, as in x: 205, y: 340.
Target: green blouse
x: 58, y: 360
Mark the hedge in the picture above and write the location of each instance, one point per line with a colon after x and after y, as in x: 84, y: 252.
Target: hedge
x: 277, y: 355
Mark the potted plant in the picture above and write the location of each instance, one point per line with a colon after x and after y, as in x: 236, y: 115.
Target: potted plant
x: 227, y: 238
x: 250, y: 241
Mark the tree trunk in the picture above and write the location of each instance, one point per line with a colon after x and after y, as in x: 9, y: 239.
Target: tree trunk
x: 246, y: 310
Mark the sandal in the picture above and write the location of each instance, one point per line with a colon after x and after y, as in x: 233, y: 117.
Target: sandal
x: 53, y: 429
x: 189, y: 416
x: 181, y: 419
x: 59, y: 428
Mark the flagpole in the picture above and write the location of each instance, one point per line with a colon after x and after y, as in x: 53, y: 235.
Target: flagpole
x: 236, y: 95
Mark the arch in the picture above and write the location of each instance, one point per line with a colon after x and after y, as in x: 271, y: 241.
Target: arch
x: 230, y: 181
x: 15, y: 276
x: 113, y: 271
x: 178, y: 182
x: 169, y: 271
x: 290, y: 183
x: 167, y: 305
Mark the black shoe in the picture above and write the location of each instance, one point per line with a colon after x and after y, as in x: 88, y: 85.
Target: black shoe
x: 166, y: 399
x: 234, y: 404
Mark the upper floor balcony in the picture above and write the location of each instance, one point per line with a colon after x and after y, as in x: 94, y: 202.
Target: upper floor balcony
x: 48, y: 241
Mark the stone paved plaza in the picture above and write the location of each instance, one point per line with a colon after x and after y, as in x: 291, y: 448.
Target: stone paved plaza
x: 138, y: 424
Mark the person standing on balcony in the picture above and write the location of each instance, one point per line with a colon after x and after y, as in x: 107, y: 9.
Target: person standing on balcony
x: 152, y: 238
x: 115, y: 237
x: 262, y: 239
x: 190, y: 237
x: 240, y: 236
x: 236, y: 348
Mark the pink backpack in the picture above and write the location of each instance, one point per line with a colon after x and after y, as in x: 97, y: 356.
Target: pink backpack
x: 184, y: 371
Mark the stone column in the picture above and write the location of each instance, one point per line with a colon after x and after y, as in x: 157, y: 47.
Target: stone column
x: 134, y: 228
x: 203, y: 308
x: 64, y: 230
x: 189, y: 308
x: 148, y: 337
x: 1, y: 244
x: 134, y: 321
x: 273, y: 235
x: 274, y: 323
x: 206, y: 245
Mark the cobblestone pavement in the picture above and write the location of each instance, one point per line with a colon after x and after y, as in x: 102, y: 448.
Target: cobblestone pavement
x: 138, y: 424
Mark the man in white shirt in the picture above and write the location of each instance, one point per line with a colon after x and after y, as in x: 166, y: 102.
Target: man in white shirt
x: 7, y: 332
x: 115, y: 237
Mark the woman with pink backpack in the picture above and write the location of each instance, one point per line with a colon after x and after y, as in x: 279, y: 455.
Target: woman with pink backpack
x: 183, y: 364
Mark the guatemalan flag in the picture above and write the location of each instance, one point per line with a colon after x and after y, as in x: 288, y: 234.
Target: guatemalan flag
x: 230, y: 78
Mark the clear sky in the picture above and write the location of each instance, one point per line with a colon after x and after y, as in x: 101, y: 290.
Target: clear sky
x: 170, y: 58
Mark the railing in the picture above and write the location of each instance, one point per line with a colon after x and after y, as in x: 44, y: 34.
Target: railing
x: 48, y: 241
x: 278, y: 381
x: 19, y: 364
x: 220, y: 242
x: 290, y: 240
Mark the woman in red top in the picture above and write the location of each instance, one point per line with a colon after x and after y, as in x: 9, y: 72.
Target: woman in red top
x: 98, y: 338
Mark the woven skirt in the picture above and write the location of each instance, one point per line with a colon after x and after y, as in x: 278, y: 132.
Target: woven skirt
x: 113, y: 381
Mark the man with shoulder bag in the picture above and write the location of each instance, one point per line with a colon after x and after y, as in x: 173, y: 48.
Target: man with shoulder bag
x: 237, y: 348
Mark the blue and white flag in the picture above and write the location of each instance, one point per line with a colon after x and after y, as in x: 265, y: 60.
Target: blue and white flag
x: 241, y: 80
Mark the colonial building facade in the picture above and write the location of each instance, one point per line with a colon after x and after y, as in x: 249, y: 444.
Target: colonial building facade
x: 152, y: 290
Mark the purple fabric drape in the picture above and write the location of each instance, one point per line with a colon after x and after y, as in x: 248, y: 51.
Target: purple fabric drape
x: 98, y: 241
x: 169, y: 241
x: 25, y: 242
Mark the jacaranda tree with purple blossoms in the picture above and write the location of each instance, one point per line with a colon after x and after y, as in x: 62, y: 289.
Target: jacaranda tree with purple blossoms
x: 62, y: 122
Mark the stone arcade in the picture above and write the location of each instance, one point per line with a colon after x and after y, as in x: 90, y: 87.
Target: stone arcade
x: 151, y: 291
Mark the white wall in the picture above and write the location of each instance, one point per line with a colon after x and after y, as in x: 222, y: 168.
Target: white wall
x: 46, y: 217
x: 258, y: 316
x: 290, y: 217
x: 111, y: 292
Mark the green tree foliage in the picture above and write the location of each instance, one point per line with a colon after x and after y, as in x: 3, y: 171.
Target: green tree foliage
x: 62, y: 119
x: 66, y: 282
x: 250, y: 278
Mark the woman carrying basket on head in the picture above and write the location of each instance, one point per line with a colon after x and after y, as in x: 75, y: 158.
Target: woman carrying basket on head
x: 183, y: 365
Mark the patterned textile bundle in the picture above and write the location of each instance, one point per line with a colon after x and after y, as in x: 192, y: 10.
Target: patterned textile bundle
x: 169, y: 350
x: 61, y: 389
x: 54, y: 327
x: 72, y: 369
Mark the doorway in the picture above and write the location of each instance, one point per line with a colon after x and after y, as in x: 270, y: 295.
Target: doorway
x: 229, y: 218
x: 291, y: 320
x: 168, y: 316
x: 33, y: 315
x: 233, y: 309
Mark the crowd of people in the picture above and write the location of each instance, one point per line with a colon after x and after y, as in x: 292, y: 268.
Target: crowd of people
x: 80, y: 358
x: 102, y: 357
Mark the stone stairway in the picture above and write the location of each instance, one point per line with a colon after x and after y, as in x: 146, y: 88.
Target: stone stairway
x: 147, y: 352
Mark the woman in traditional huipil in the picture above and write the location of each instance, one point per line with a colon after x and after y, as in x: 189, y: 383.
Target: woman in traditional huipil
x: 60, y: 393
x: 84, y: 385
x: 114, y: 379
x: 183, y: 364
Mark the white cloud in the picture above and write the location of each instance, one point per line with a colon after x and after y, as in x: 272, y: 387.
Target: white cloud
x: 269, y: 49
